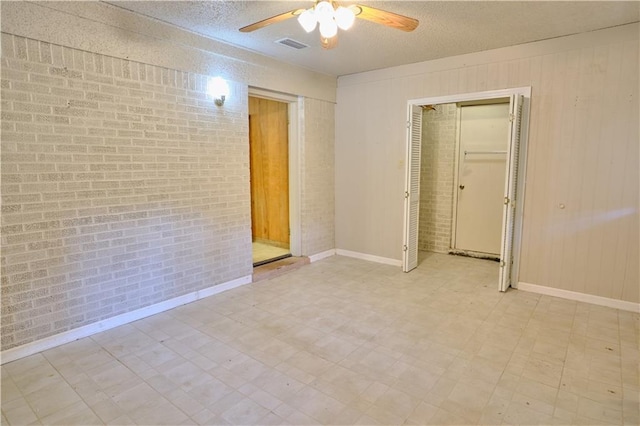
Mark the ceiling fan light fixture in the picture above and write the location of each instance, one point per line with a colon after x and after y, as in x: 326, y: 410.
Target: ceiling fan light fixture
x: 330, y: 17
x: 324, y: 12
x: 308, y: 20
x: 328, y: 29
x: 344, y: 17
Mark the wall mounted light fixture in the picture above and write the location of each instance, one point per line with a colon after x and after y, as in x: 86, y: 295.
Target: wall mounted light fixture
x: 218, y: 89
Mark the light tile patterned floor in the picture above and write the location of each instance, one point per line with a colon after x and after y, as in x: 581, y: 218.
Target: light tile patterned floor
x: 344, y: 341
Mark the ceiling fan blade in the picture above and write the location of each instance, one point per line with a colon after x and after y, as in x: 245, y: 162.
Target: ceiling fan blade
x: 383, y: 17
x: 271, y: 20
x: 329, y: 43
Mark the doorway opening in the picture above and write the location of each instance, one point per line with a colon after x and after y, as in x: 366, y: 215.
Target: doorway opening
x: 273, y: 123
x: 481, y: 166
x: 464, y: 177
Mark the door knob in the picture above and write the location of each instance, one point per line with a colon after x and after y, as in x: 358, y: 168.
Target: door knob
x: 461, y: 187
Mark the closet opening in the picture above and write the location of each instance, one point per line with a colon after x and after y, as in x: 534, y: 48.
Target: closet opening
x: 464, y: 178
x: 480, y: 164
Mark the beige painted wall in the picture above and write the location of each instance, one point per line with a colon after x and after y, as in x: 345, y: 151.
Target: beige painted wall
x: 123, y: 185
x: 583, y: 154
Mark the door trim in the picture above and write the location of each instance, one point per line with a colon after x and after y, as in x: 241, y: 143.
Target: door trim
x: 458, y: 156
x: 485, y: 96
x: 295, y: 133
x: 456, y: 171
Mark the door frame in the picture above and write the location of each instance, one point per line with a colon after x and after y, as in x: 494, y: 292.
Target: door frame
x: 522, y: 161
x: 457, y: 155
x: 294, y: 143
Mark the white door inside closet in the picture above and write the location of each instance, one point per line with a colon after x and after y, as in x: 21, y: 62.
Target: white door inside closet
x: 510, y: 192
x: 412, y: 189
x: 483, y: 136
x: 514, y: 176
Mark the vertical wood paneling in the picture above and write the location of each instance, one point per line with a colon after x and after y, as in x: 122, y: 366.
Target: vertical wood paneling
x: 571, y: 196
x: 597, y: 163
x: 582, y: 153
x: 612, y: 121
x: 532, y: 149
x: 494, y: 75
x: 561, y: 155
x: 630, y: 199
x: 452, y: 79
x: 622, y: 173
x: 541, y: 236
x: 563, y: 253
x: 503, y: 75
x: 578, y: 200
x: 513, y: 74
x: 481, y: 81
x: 525, y: 72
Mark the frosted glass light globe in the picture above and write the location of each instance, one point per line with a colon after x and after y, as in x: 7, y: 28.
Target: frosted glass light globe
x: 307, y: 20
x: 344, y: 17
x: 328, y: 29
x: 324, y: 12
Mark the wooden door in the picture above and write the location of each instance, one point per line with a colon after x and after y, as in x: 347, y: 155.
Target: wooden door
x: 269, y: 156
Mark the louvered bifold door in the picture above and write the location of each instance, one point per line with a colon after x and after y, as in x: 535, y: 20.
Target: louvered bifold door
x: 412, y: 189
x: 510, y: 193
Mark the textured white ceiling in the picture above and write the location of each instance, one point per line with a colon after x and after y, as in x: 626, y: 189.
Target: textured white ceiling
x: 446, y: 28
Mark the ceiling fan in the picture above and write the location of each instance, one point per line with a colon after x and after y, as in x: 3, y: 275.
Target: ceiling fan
x: 329, y: 16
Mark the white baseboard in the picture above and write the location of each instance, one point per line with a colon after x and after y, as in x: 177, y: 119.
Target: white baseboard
x: 321, y: 255
x: 369, y: 257
x: 90, y: 329
x: 581, y: 297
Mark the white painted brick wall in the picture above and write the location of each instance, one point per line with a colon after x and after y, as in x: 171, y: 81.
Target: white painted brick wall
x: 437, y: 178
x: 318, y: 177
x: 122, y: 186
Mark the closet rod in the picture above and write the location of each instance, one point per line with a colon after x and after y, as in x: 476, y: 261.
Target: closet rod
x: 485, y: 152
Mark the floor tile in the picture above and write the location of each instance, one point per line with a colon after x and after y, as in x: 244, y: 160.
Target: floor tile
x: 346, y: 341
x: 52, y: 398
x: 18, y: 412
x: 76, y: 414
x: 246, y: 411
x: 157, y: 411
